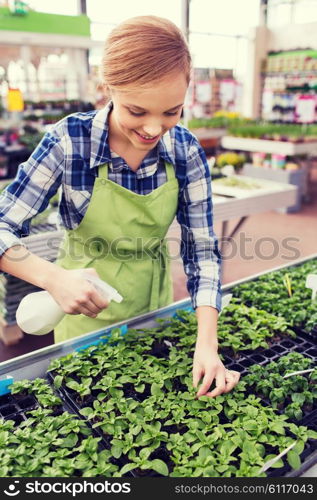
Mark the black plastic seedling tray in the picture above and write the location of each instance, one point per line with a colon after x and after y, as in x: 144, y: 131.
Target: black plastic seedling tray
x: 309, y: 418
x: 303, y: 343
x: 11, y: 406
x: 308, y: 456
x: 14, y: 407
x: 308, y: 459
x: 66, y: 397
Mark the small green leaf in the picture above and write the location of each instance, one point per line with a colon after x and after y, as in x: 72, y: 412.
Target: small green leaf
x: 58, y: 381
x: 298, y: 398
x: 116, y: 451
x: 299, y: 447
x: 204, y: 452
x: 70, y: 441
x: 311, y: 434
x: 293, y: 459
x: 160, y: 467
x: 227, y: 447
x: 277, y: 464
x: 86, y: 412
x: 222, y: 468
x: 248, y: 447
x: 250, y: 426
x: 156, y: 390
x: 139, y: 388
x: 278, y: 428
x: 126, y: 468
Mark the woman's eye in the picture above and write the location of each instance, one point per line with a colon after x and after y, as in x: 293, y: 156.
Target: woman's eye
x: 142, y: 113
x: 134, y: 113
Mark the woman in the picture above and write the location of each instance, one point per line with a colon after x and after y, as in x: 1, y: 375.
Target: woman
x: 125, y: 172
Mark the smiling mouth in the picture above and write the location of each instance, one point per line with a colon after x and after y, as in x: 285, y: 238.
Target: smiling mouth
x: 147, y: 137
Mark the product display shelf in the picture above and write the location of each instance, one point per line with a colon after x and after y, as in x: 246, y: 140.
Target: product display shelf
x: 35, y: 364
x: 205, y: 134
x: 229, y: 207
x: 298, y: 178
x: 267, y: 146
x: 233, y: 203
x: 260, y: 194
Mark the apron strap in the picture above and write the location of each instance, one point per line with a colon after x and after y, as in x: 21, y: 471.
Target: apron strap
x: 170, y: 172
x: 103, y: 171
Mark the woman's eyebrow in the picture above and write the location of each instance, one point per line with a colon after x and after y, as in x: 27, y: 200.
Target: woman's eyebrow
x: 142, y: 109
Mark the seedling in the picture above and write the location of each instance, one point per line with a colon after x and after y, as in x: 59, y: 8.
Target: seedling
x: 288, y: 283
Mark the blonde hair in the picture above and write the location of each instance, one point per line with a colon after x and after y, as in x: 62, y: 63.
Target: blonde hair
x: 144, y: 49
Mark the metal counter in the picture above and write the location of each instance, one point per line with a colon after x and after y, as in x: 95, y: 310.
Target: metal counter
x: 35, y: 364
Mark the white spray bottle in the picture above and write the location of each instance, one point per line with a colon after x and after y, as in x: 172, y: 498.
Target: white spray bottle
x: 38, y: 313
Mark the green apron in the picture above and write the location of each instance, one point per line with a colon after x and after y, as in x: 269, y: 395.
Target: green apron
x: 122, y: 237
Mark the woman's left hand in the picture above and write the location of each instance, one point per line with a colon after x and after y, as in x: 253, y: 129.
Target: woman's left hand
x: 208, y: 366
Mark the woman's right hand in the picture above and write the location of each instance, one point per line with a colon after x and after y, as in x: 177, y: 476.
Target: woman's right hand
x: 75, y: 294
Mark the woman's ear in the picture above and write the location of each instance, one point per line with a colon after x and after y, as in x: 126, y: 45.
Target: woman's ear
x: 105, y: 89
x: 106, y: 92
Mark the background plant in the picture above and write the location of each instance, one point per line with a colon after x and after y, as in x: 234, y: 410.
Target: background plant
x: 270, y: 293
x: 292, y: 394
x: 49, y: 445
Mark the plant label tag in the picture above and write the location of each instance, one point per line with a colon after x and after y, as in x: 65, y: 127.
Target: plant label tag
x: 271, y: 462
x: 311, y: 282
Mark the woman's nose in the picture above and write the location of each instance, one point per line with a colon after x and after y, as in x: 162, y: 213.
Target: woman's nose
x: 152, y: 129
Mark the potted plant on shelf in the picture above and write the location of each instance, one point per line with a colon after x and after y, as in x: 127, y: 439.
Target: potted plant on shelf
x: 233, y: 159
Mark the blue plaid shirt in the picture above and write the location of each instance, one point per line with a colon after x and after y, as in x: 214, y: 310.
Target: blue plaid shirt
x: 68, y: 158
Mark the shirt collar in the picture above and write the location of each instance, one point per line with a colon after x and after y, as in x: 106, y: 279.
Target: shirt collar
x: 100, y: 152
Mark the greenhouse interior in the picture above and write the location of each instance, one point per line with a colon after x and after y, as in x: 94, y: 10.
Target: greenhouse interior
x: 106, y: 108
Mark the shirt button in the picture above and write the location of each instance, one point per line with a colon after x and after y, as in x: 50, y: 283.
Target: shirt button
x: 103, y: 181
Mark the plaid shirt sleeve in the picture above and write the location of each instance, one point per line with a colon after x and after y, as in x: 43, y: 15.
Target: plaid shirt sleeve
x: 199, y: 246
x: 37, y: 180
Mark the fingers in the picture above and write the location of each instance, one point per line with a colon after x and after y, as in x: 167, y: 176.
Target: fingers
x: 97, y: 300
x: 197, y: 373
x: 90, y: 303
x: 232, y: 378
x: 225, y: 381
x: 87, y: 312
x: 206, y: 383
x: 94, y: 306
x: 220, y: 385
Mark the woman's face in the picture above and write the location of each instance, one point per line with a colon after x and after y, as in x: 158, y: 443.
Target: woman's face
x: 141, y: 117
